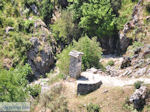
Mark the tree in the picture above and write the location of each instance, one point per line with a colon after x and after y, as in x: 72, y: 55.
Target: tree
x: 95, y: 17
x: 92, y: 54
x: 13, y: 84
x: 46, y: 10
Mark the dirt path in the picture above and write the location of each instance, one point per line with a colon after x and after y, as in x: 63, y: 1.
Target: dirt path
x: 117, y: 81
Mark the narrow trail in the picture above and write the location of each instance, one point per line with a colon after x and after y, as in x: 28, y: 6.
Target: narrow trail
x: 116, y: 81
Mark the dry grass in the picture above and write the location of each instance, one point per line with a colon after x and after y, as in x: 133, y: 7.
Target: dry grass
x: 111, y: 101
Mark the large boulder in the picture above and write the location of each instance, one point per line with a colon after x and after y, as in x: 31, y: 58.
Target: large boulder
x: 138, y: 97
x: 124, y: 43
x: 40, y: 57
x: 126, y: 62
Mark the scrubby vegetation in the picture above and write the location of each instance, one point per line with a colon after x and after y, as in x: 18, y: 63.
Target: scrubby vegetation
x: 90, y: 48
x: 52, y: 28
x: 138, y: 84
x: 54, y: 100
x: 111, y: 63
x: 93, y: 108
x: 34, y: 90
x: 13, y: 84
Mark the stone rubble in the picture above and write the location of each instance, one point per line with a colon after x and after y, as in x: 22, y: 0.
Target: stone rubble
x: 138, y: 97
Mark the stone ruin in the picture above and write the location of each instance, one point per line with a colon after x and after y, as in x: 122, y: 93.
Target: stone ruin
x: 75, y: 64
x: 87, y: 81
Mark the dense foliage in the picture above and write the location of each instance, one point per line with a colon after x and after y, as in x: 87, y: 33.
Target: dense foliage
x: 90, y: 48
x: 13, y: 84
x: 64, y: 30
x: 95, y: 17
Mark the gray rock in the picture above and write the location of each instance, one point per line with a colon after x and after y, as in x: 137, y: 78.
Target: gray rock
x: 125, y: 63
x: 40, y: 60
x: 135, y: 56
x: 139, y: 63
x: 141, y: 72
x: 111, y: 71
x: 137, y: 51
x: 146, y: 54
x: 138, y: 97
x: 126, y: 73
x: 124, y: 43
x: 8, y: 29
x: 34, y: 9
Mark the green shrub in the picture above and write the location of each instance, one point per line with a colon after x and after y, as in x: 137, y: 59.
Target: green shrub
x: 35, y: 90
x: 93, y: 108
x: 13, y: 84
x: 148, y: 7
x: 46, y: 10
x: 92, y: 54
x: 25, y: 25
x: 64, y: 30
x: 138, y: 84
x: 111, y: 63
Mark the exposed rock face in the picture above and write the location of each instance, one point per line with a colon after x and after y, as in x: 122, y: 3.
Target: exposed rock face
x: 138, y: 97
x: 40, y: 59
x: 110, y: 71
x: 110, y: 45
x: 124, y: 40
x: 41, y: 54
x: 126, y: 62
x: 34, y: 9
x: 63, y: 3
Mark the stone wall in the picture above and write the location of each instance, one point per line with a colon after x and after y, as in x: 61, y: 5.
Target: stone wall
x: 85, y: 88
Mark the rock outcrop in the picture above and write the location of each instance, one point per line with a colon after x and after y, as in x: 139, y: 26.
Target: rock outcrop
x: 126, y: 62
x: 138, y: 97
x: 41, y: 55
x: 124, y: 40
x: 40, y: 59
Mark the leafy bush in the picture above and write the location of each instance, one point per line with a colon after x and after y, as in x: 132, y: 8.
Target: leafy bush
x: 17, y: 47
x: 64, y: 30
x: 93, y: 108
x: 90, y: 48
x: 46, y: 10
x: 148, y: 7
x: 138, y: 84
x: 13, y: 84
x: 35, y: 90
x: 111, y: 63
x: 92, y: 52
x: 97, y: 18
x: 25, y: 26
